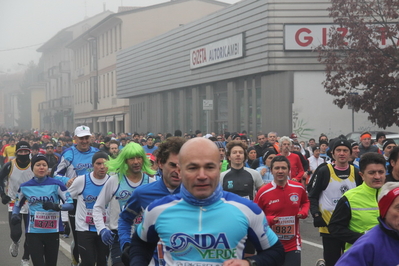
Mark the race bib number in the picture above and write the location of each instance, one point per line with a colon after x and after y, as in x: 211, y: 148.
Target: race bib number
x: 46, y: 220
x: 89, y: 217
x: 285, y: 228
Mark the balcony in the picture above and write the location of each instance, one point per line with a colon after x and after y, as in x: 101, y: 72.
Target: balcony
x: 53, y: 72
x: 65, y: 67
x: 44, y: 106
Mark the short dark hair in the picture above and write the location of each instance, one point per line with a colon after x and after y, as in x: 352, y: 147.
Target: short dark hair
x: 280, y: 158
x: 393, y: 157
x: 234, y: 143
x: 171, y: 145
x: 178, y: 133
x: 371, y: 158
x: 112, y: 141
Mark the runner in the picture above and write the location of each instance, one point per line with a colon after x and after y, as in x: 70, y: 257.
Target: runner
x: 85, y: 188
x: 284, y: 202
x: 142, y: 196
x: 75, y: 161
x: 130, y: 168
x: 43, y: 195
x: 204, y: 225
x: 14, y: 173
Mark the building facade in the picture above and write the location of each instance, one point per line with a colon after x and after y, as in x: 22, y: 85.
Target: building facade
x: 94, y: 58
x: 56, y: 108
x: 247, y: 67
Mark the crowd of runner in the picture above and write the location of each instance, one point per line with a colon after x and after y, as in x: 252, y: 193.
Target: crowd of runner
x: 102, y: 189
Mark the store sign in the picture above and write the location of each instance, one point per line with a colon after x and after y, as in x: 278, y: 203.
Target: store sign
x: 220, y: 51
x: 310, y: 36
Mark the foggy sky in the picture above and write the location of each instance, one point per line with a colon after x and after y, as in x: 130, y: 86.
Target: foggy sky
x: 30, y: 23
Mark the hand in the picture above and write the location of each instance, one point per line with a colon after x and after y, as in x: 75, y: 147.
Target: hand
x: 236, y: 262
x: 48, y: 205
x: 125, y: 254
x: 318, y: 221
x: 299, y: 215
x: 70, y: 181
x: 263, y: 171
x: 15, y: 219
x: 107, y: 236
x: 5, y: 199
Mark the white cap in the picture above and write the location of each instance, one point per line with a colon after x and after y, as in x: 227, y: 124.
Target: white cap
x: 82, y: 131
x: 207, y: 136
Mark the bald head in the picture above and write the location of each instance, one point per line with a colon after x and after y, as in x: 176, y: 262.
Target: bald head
x: 199, y: 167
x: 196, y: 145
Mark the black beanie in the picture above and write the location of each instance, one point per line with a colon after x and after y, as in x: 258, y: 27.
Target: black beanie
x: 387, y: 142
x: 22, y: 145
x: 98, y: 155
x: 36, y: 158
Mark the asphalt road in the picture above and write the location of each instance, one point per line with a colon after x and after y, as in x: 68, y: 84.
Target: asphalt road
x: 311, y: 244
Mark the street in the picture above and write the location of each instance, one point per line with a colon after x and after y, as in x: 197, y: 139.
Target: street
x: 311, y: 244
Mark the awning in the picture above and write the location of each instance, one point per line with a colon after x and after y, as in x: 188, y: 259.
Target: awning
x: 119, y: 117
x: 110, y: 118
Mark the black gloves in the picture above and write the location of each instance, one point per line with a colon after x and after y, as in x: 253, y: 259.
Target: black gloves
x: 318, y: 221
x: 15, y: 219
x: 125, y: 254
x: 5, y: 199
x: 48, y: 205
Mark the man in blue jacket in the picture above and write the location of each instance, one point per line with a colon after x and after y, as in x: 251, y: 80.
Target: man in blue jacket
x: 169, y: 183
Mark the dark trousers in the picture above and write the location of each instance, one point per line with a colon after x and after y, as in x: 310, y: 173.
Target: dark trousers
x: 293, y: 258
x: 332, y: 249
x: 43, y: 248
x: 92, y: 250
x: 16, y: 233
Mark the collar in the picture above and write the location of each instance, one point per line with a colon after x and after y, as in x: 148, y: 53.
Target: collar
x: 387, y: 230
x: 187, y: 196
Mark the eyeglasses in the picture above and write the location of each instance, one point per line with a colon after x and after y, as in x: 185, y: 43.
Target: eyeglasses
x: 49, y: 147
x: 219, y: 138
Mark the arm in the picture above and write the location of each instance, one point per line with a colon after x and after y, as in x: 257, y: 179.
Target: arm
x: 258, y: 181
x: 126, y: 218
x: 273, y: 256
x: 3, y: 177
x: 320, y: 182
x: 339, y: 223
x: 298, y: 176
x: 66, y: 198
x: 259, y: 200
x: 77, y: 187
x: 305, y: 206
x: 141, y: 252
x: 103, y: 199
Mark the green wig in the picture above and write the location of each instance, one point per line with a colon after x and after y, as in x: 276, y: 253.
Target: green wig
x: 131, y: 150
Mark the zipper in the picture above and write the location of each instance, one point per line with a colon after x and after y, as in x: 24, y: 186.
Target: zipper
x: 202, y: 209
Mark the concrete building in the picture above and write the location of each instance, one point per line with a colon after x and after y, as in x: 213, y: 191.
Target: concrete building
x: 250, y: 66
x: 9, y: 91
x: 94, y: 77
x: 56, y: 108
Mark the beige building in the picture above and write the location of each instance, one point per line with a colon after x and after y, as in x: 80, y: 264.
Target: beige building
x: 96, y: 103
x: 56, y: 108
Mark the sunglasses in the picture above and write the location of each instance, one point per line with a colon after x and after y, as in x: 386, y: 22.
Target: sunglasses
x: 49, y: 147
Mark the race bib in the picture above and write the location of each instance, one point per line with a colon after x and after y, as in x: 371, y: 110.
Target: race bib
x: 285, y: 228
x: 46, y: 220
x: 11, y: 206
x: 196, y: 263
x: 89, y: 217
